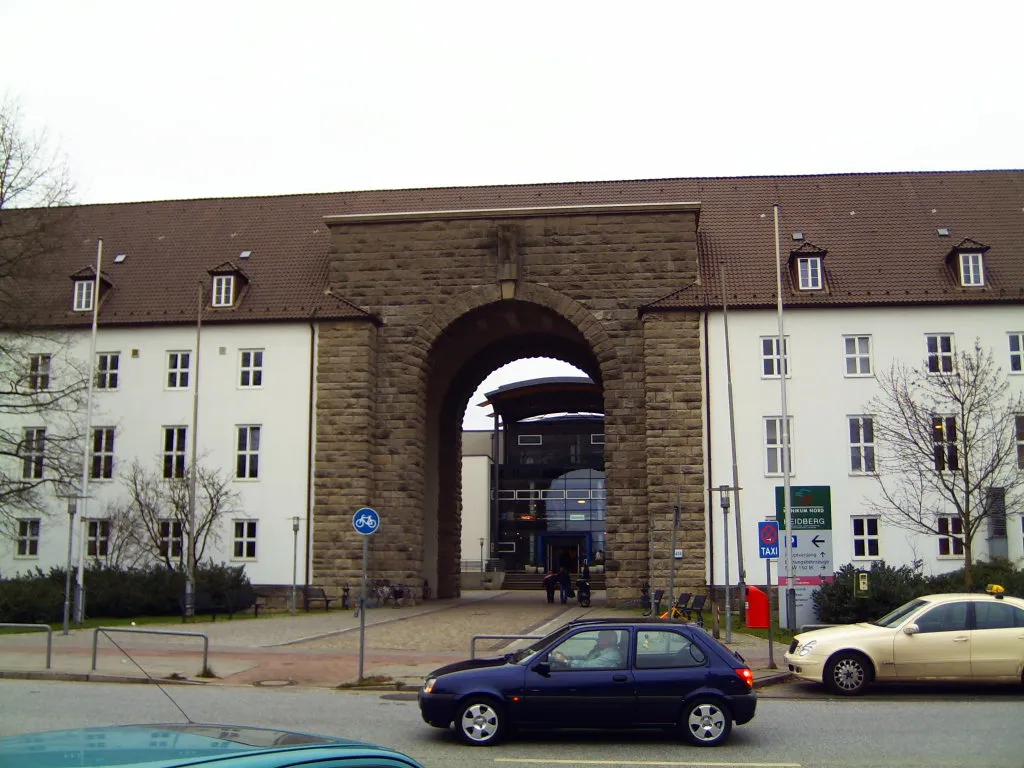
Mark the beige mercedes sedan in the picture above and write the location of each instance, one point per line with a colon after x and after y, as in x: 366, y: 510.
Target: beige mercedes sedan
x: 963, y: 637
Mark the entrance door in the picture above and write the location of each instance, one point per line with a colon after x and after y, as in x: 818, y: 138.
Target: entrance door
x: 566, y: 550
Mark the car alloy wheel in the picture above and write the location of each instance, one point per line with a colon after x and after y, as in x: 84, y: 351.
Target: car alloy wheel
x: 706, y: 722
x: 480, y: 723
x: 847, y: 674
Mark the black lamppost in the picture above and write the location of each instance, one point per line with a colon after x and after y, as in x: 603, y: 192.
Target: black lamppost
x: 295, y: 560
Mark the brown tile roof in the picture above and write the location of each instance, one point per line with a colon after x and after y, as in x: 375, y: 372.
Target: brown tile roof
x: 879, y: 232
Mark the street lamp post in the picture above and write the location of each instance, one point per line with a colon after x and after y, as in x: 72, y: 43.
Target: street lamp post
x: 481, y: 554
x: 295, y: 560
x: 724, y: 491
x: 72, y: 508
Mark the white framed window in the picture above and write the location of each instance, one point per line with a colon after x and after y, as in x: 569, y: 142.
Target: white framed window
x: 809, y: 269
x: 951, y: 536
x: 774, y: 362
x: 33, y: 453
x: 1018, y: 428
x: 1017, y: 353
x: 244, y: 547
x: 172, y: 541
x: 174, y: 451
x: 97, y: 539
x: 108, y: 365
x: 39, y: 372
x: 28, y: 537
x: 862, y: 444
x: 865, y: 537
x: 178, y: 364
x: 857, y: 355
x: 84, y: 290
x: 102, y: 464
x: 531, y: 439
x: 247, y: 466
x: 944, y: 441
x: 773, y: 443
x: 940, y: 352
x: 597, y: 439
x: 972, y: 273
x: 223, y: 290
x: 250, y: 368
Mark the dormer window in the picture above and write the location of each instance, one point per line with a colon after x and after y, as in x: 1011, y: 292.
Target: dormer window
x: 809, y: 270
x: 223, y: 290
x: 972, y: 275
x: 84, y: 295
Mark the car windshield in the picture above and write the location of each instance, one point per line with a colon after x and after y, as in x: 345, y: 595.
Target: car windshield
x: 524, y: 654
x: 895, y: 617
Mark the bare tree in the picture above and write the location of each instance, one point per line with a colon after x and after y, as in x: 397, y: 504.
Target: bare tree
x: 947, y: 448
x: 156, y: 516
x: 41, y: 385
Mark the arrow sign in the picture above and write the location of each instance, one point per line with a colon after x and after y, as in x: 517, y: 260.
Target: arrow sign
x: 817, y: 541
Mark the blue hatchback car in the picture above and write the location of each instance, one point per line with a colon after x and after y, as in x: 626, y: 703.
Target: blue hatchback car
x: 599, y: 673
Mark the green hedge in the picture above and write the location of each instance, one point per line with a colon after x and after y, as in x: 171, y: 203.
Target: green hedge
x: 38, y: 597
x: 891, y: 587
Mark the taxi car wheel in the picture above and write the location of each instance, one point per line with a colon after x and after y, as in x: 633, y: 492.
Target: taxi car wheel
x: 480, y: 721
x: 848, y: 674
x: 706, y: 722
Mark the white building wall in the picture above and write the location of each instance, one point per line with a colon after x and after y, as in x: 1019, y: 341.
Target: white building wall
x: 820, y: 399
x: 142, y: 406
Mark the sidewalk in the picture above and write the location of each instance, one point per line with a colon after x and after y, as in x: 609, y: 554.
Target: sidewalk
x: 320, y: 648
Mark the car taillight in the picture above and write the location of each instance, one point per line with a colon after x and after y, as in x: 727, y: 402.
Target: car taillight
x: 746, y: 676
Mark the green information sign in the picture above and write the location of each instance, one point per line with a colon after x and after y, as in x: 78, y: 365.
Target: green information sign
x: 810, y: 507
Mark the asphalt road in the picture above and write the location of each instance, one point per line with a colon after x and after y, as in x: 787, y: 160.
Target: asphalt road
x: 794, y: 728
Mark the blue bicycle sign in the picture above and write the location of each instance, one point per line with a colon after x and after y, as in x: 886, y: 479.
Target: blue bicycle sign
x: 366, y: 521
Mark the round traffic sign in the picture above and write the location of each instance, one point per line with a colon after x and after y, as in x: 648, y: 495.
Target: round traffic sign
x: 769, y: 535
x: 366, y: 521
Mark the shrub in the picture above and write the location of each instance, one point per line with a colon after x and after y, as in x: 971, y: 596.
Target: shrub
x: 890, y: 587
x: 983, y: 573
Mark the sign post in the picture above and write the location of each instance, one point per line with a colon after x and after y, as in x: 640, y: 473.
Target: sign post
x: 768, y: 548
x: 366, y: 521
x: 810, y: 547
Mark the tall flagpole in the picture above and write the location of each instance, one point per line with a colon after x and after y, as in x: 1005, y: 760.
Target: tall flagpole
x: 784, y: 366
x: 86, y: 439
x: 190, y: 553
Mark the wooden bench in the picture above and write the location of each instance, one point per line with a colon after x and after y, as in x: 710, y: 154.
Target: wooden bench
x: 312, y: 594
x: 243, y: 598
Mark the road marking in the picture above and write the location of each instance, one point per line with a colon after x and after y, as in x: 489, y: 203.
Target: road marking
x: 671, y: 763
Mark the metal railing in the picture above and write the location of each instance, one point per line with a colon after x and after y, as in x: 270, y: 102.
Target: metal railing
x: 108, y: 630
x: 46, y: 628
x: 472, y: 641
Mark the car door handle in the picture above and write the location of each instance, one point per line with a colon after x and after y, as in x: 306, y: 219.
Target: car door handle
x: 619, y: 678
x: 960, y: 639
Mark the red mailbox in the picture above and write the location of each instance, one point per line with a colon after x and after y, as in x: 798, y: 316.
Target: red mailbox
x: 757, y: 608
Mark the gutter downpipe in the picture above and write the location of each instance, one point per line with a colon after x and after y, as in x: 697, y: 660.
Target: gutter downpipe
x: 310, y: 445
x: 735, y: 464
x: 710, y: 497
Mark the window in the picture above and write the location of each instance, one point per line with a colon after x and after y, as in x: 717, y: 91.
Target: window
x: 248, y: 458
x: 97, y: 539
x: 865, y: 536
x: 857, y: 355
x: 83, y: 295
x: 992, y: 614
x: 662, y: 649
x: 223, y: 290
x: 597, y: 439
x: 33, y: 452
x: 531, y: 439
x: 177, y: 369
x: 1017, y: 352
x: 171, y: 539
x: 862, y: 444
x: 772, y: 363
x: 245, y: 539
x: 1019, y: 428
x: 28, y: 538
x: 971, y: 273
x: 944, y: 439
x: 102, y: 453
x: 940, y: 353
x: 773, y: 439
x: 251, y: 368
x: 39, y: 372
x: 951, y: 532
x: 809, y: 268
x: 948, y: 617
x: 591, y: 649
x: 174, y: 451
x: 107, y: 364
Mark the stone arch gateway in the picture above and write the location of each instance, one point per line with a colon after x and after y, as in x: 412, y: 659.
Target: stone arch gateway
x: 450, y: 296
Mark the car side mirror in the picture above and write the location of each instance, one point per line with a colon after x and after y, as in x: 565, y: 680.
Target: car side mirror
x: 542, y: 668
x: 911, y: 629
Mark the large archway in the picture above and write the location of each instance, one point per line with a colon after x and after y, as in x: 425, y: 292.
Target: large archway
x: 451, y: 296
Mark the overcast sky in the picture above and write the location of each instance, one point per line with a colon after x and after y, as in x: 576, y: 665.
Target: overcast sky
x: 201, y: 99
